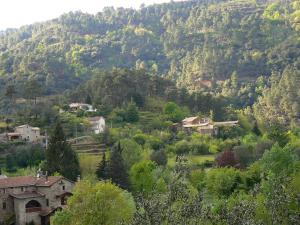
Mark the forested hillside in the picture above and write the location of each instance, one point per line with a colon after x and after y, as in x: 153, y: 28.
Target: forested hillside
x: 237, y: 50
x: 186, y: 41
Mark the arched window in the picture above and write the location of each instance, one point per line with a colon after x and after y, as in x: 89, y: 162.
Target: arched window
x: 33, y: 206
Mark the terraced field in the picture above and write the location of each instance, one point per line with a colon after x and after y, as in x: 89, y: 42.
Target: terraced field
x: 90, y: 153
x: 87, y: 145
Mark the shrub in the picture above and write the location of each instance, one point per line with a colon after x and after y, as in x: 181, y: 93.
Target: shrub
x: 155, y: 143
x: 140, y: 139
x: 160, y: 157
x: 222, y: 182
x: 182, y: 147
x: 199, y: 148
x: 226, y: 158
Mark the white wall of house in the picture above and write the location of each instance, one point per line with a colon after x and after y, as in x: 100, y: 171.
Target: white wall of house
x: 98, y: 126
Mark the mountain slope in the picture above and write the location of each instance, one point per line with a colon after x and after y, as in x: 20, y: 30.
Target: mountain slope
x: 185, y: 41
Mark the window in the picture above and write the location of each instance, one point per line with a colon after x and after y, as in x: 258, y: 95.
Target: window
x: 22, y: 189
x: 63, y: 187
x: 4, y: 205
x: 63, y: 200
x: 47, y: 202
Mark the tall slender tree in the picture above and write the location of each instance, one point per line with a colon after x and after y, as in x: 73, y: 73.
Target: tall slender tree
x: 60, y: 157
x: 101, y: 171
x: 116, y: 168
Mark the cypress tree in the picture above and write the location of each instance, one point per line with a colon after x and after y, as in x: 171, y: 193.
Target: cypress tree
x: 60, y: 157
x: 116, y: 168
x: 88, y: 99
x: 101, y: 171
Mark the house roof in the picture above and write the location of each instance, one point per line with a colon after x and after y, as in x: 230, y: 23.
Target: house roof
x: 226, y: 123
x: 47, y: 211
x: 28, y: 181
x: 13, y: 134
x: 25, y: 195
x: 25, y: 125
x: 77, y: 104
x: 95, y: 119
x: 190, y: 119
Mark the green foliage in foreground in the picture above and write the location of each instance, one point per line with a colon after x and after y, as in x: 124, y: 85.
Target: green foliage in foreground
x: 100, y: 203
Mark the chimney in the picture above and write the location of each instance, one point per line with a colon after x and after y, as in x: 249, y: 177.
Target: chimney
x: 38, y: 174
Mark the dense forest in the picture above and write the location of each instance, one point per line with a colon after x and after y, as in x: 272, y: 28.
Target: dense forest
x: 234, y: 49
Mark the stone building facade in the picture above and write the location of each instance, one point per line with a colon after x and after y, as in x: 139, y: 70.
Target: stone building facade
x: 29, y: 133
x: 32, y: 199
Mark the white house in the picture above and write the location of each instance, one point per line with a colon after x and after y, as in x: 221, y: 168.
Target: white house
x: 97, y: 124
x: 81, y: 106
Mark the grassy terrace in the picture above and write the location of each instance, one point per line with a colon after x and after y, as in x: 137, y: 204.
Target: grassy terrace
x: 193, y: 160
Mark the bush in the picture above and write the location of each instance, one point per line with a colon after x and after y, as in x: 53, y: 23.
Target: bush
x: 24, y: 156
x: 140, y: 139
x: 222, y: 182
x: 199, y: 148
x: 160, y: 157
x: 155, y: 143
x: 173, y: 112
x: 243, y: 155
x: 226, y: 158
x: 182, y: 147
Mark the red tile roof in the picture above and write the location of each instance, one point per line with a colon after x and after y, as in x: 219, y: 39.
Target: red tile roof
x: 28, y: 181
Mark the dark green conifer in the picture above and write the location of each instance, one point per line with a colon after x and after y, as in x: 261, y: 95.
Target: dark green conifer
x: 101, y: 171
x: 60, y: 157
x: 116, y: 168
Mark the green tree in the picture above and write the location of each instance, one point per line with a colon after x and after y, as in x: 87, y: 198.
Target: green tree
x: 117, y: 171
x: 222, y: 182
x: 160, y: 157
x: 60, y: 157
x: 33, y: 89
x: 97, y: 204
x: 88, y: 99
x: 131, y: 152
x: 101, y: 171
x: 278, y: 133
x: 173, y: 112
x: 142, y: 177
x: 10, y: 163
x: 132, y: 113
x: 10, y: 92
x: 279, y: 161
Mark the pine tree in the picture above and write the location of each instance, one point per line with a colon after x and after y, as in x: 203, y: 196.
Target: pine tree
x: 101, y: 171
x: 60, y: 157
x: 88, y: 99
x: 116, y: 168
x: 132, y: 113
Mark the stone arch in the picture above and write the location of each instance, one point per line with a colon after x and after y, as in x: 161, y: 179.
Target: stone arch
x: 33, y: 206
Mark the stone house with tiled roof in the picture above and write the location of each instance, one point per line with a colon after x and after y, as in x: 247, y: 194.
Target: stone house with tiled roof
x: 26, y: 199
x: 203, y: 125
